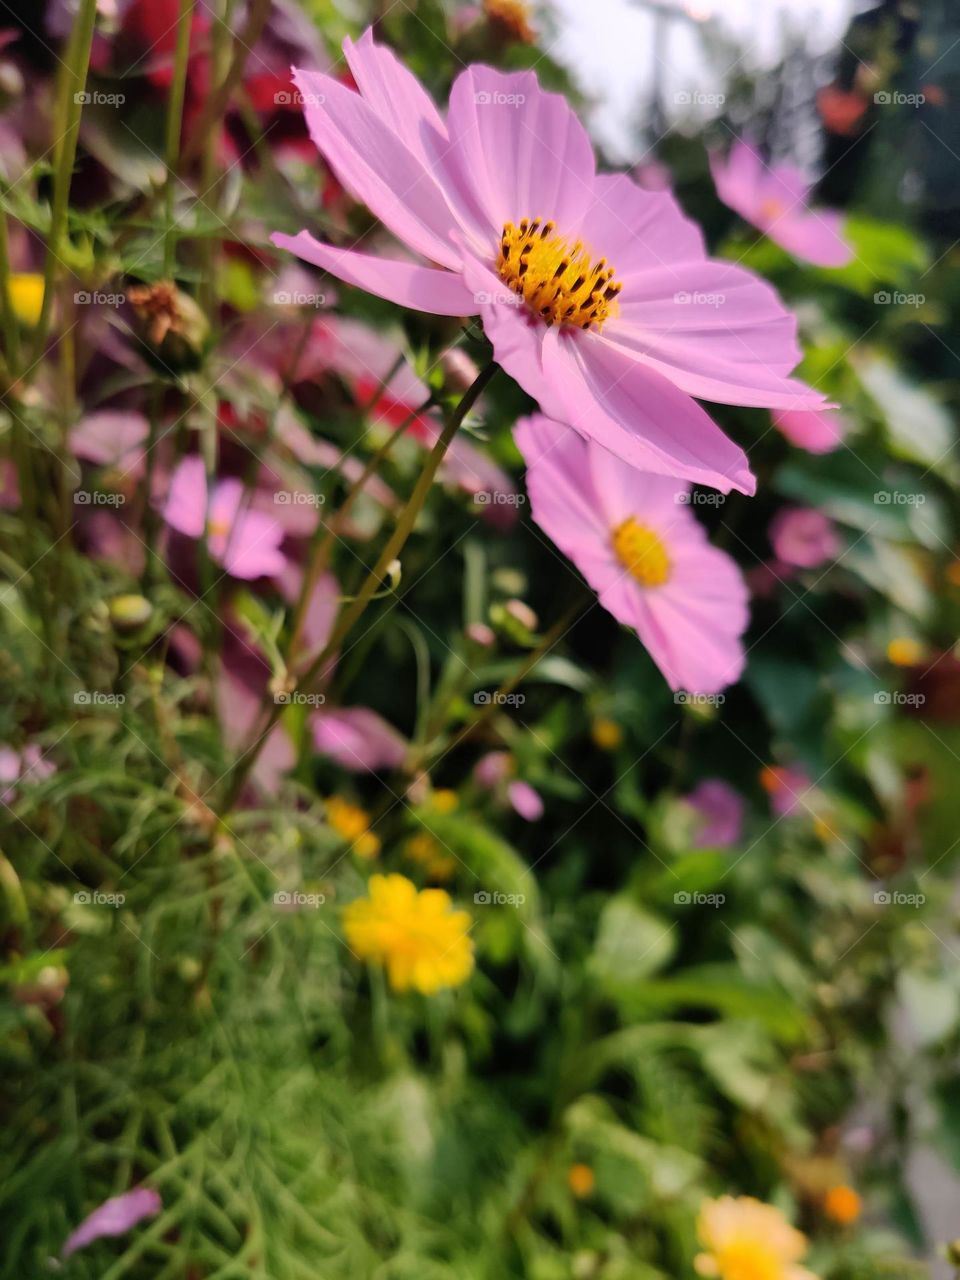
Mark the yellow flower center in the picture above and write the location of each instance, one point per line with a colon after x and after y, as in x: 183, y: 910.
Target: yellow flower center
x: 642, y: 553
x: 558, y: 282
x: 218, y: 528
x: 748, y: 1260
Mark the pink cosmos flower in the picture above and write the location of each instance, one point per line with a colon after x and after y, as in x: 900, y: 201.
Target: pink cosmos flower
x: 358, y: 739
x: 816, y: 432
x: 721, y: 810
x: 114, y: 1217
x: 494, y: 772
x: 245, y: 543
x: 597, y: 296
x: 803, y: 537
x: 18, y: 767
x: 787, y: 787
x: 774, y: 200
x: 636, y: 541
x: 112, y: 438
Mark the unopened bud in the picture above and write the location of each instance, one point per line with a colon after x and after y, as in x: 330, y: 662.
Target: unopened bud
x: 172, y: 326
x: 129, y: 612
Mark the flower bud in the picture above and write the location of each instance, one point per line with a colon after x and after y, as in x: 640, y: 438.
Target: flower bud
x: 129, y: 612
x: 173, y: 329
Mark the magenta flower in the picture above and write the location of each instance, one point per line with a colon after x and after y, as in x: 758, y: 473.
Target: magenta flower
x: 112, y: 438
x: 817, y: 432
x: 18, y: 767
x: 803, y: 537
x: 245, y: 542
x: 525, y: 800
x: 774, y: 200
x: 494, y: 772
x: 636, y: 541
x: 597, y: 296
x: 787, y: 787
x: 358, y: 739
x: 721, y: 811
x: 114, y: 1217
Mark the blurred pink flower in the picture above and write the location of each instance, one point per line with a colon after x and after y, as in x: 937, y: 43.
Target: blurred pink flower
x: 817, y: 432
x: 525, y: 800
x: 786, y: 786
x: 494, y: 772
x: 774, y: 200
x: 636, y: 541
x: 114, y: 1217
x: 18, y: 767
x: 245, y: 542
x: 721, y: 809
x: 240, y: 707
x: 9, y: 486
x: 804, y: 537
x: 358, y: 739
x: 597, y: 295
x: 112, y: 438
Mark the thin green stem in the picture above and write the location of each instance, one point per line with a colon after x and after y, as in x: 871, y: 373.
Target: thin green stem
x: 178, y: 88
x: 11, y: 338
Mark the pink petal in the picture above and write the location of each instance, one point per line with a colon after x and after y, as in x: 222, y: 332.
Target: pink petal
x: 110, y: 438
x: 358, y: 739
x: 612, y: 398
x: 812, y: 235
x: 186, y: 506
x: 815, y: 432
x: 406, y: 283
x: 637, y: 230
x: 114, y: 1217
x: 721, y: 809
x: 252, y: 548
x: 377, y: 168
x: 804, y: 537
x: 525, y: 801
x: 516, y: 152
x: 394, y: 93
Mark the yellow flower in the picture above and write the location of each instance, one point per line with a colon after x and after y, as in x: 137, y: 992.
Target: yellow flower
x: 745, y: 1239
x: 606, y: 733
x: 353, y: 824
x: 424, y: 849
x: 444, y: 800
x: 423, y: 943
x: 904, y: 651
x: 842, y: 1204
x: 580, y: 1180
x: 26, y: 297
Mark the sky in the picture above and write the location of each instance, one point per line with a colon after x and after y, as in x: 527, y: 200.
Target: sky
x: 608, y: 45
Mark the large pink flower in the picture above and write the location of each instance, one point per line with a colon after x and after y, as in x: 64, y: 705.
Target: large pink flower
x: 774, y: 200
x: 636, y: 541
x: 598, y: 296
x: 245, y: 542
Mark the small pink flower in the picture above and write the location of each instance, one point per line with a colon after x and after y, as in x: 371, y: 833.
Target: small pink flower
x: 245, y: 542
x: 9, y: 486
x: 774, y: 200
x: 494, y: 772
x: 525, y: 800
x: 112, y: 438
x: 803, y: 537
x: 817, y: 432
x: 18, y: 767
x: 721, y: 809
x: 787, y: 787
x: 358, y: 739
x: 636, y: 541
x: 597, y: 296
x: 114, y: 1217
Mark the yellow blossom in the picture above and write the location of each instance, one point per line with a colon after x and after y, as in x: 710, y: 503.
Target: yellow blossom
x: 424, y: 849
x: 904, y: 651
x: 353, y: 824
x: 415, y: 934
x: 580, y: 1180
x: 606, y: 733
x: 745, y: 1239
x: 444, y: 800
x: 842, y: 1204
x: 26, y: 297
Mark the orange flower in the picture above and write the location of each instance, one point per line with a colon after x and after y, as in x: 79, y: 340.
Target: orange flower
x: 842, y: 1204
x: 580, y: 1180
x: 745, y: 1239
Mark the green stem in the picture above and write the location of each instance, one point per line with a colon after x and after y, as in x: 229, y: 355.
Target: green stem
x: 11, y: 337
x: 178, y: 88
x: 67, y: 122
x: 394, y: 546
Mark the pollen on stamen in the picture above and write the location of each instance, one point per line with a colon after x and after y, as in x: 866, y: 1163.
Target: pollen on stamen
x: 557, y: 280
x: 642, y: 553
